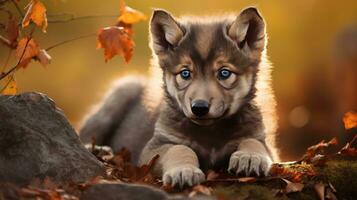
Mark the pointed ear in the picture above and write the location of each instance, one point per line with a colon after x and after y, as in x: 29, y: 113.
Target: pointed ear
x: 166, y: 32
x: 248, y: 30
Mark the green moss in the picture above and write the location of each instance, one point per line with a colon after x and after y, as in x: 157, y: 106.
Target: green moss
x: 307, y: 193
x: 251, y: 191
x: 343, y: 176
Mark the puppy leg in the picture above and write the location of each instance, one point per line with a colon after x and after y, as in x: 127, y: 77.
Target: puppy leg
x: 251, y: 158
x: 178, y: 165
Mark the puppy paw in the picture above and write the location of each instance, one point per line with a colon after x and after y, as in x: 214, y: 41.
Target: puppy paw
x: 249, y: 163
x: 186, y: 175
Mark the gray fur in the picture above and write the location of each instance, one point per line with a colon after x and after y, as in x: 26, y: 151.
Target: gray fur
x: 232, y: 135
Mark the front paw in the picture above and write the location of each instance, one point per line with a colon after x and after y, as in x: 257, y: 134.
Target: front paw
x: 183, y: 175
x: 249, y: 163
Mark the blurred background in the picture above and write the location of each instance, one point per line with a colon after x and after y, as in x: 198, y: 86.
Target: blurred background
x: 312, y: 45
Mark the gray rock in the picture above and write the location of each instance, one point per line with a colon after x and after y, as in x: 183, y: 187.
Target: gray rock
x: 36, y: 141
x: 123, y: 191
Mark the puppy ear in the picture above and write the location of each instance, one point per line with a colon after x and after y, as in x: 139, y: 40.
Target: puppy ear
x: 248, y: 30
x: 166, y: 32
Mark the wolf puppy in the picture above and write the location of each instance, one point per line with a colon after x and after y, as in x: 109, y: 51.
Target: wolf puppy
x: 218, y: 107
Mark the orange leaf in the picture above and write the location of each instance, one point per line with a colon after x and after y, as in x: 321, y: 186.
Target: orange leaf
x: 115, y: 41
x: 32, y: 50
x: 350, y: 120
x: 292, y: 187
x: 9, y: 86
x: 318, y: 148
x: 129, y: 15
x: 36, y: 12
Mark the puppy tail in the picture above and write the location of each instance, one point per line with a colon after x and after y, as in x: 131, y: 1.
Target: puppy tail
x: 106, y: 117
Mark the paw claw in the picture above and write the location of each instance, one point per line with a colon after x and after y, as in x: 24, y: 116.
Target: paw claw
x: 181, y: 176
x: 249, y: 163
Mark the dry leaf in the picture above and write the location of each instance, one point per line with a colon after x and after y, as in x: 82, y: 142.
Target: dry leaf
x: 350, y: 120
x: 348, y: 150
x: 129, y: 15
x: 32, y: 50
x: 293, y: 172
x: 292, y: 187
x: 330, y: 194
x: 317, y: 149
x: 9, y: 86
x: 115, y: 41
x: 320, y: 190
x: 36, y: 12
x: 247, y: 179
x: 44, y: 58
x: 211, y: 175
x: 200, y: 189
x: 12, y: 30
x: 332, y: 187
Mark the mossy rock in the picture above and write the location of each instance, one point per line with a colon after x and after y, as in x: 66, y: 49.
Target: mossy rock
x: 343, y: 176
x: 246, y: 191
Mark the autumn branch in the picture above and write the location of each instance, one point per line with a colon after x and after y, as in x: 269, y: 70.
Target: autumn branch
x: 3, y: 75
x: 70, y: 40
x: 115, y: 39
x: 71, y: 17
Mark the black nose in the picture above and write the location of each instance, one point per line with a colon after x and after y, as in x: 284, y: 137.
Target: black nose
x: 200, y: 107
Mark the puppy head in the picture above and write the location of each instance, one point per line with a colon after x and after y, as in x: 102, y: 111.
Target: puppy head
x: 209, y: 64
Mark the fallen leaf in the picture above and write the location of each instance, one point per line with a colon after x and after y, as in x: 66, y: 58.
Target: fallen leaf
x: 9, y: 86
x: 143, y: 173
x: 247, y: 179
x: 347, y: 150
x: 332, y: 187
x: 44, y: 58
x: 36, y: 12
x: 293, y: 172
x: 211, y: 175
x: 292, y: 187
x: 32, y: 50
x: 317, y: 149
x: 129, y: 15
x: 115, y: 41
x: 350, y: 120
x: 200, y: 189
x: 330, y: 194
x: 320, y: 190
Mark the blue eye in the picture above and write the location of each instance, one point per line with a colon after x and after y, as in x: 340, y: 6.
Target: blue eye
x: 185, y: 74
x: 224, y: 74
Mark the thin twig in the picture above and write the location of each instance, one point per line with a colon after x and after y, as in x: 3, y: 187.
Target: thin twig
x: 3, y: 75
x: 73, y: 18
x: 5, y: 42
x: 70, y: 40
x: 18, y: 8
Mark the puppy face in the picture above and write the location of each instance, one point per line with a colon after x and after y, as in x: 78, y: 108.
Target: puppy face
x: 209, y: 64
